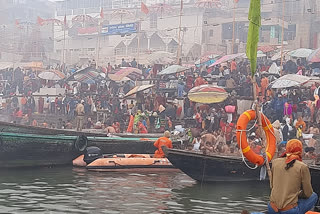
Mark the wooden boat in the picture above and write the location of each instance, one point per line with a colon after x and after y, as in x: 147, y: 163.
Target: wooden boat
x: 129, y: 135
x: 25, y: 150
x: 126, y: 163
x: 215, y: 168
x: 18, y: 128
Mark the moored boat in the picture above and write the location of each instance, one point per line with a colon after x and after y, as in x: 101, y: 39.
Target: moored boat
x: 215, y: 168
x: 125, y: 163
x: 28, y: 150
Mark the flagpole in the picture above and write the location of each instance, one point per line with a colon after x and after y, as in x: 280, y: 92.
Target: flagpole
x: 138, y: 34
x: 99, y: 35
x: 282, y: 37
x: 233, y: 26
x: 64, y: 41
x: 179, y: 34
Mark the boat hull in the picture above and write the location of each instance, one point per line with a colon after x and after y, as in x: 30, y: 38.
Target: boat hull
x: 25, y: 150
x: 205, y: 168
x: 131, y: 162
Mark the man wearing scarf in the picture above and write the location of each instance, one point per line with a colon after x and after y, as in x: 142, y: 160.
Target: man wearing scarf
x: 291, y: 190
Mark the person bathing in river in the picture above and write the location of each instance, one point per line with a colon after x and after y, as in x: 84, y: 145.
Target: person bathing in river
x: 162, y: 141
x: 291, y: 190
x: 197, y: 143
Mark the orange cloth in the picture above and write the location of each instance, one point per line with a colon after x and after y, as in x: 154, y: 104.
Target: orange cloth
x: 233, y: 65
x: 162, y: 141
x: 301, y: 123
x: 293, y: 151
x: 23, y: 101
x: 130, y: 126
x: 19, y: 114
x: 200, y: 81
x: 264, y: 85
x: 142, y: 129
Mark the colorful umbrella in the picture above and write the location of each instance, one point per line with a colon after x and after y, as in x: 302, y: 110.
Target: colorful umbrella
x: 207, y: 94
x: 300, y: 53
x: 161, y: 57
x: 314, y: 56
x: 227, y: 58
x: 289, y: 80
x: 51, y: 75
x: 132, y: 73
x: 138, y: 89
x: 206, y: 58
x: 173, y: 69
x: 88, y: 77
x: 209, y: 3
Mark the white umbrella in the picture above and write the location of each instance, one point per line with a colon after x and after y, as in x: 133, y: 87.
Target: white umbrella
x: 300, y: 53
x: 51, y: 75
x: 172, y: 70
x: 289, y: 80
x: 138, y: 89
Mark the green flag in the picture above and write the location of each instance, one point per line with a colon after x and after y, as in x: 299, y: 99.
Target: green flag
x: 253, y: 34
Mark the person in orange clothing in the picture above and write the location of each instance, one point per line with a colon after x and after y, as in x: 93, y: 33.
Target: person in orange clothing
x: 233, y: 65
x: 264, y: 85
x: 200, y: 81
x: 162, y: 141
x: 142, y: 128
x: 300, y: 122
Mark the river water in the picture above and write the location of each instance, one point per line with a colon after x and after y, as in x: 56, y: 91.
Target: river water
x: 73, y: 190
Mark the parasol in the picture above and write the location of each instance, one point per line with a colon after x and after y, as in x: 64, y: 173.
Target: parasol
x: 278, y: 55
x: 88, y: 77
x: 207, y: 94
x: 227, y: 58
x: 209, y: 3
x: 51, y: 75
x: 314, y: 56
x: 161, y: 57
x: 289, y: 80
x: 300, y: 53
x: 206, y: 58
x: 266, y: 48
x: 138, y: 89
x: 173, y: 69
x: 132, y: 73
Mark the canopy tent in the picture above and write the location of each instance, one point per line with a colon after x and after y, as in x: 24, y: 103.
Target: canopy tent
x: 138, y: 89
x: 173, y: 69
x: 289, y: 80
x: 314, y: 56
x: 161, y: 57
x: 227, y: 58
x: 300, y: 53
x: 278, y: 55
x: 131, y: 73
x: 207, y: 94
x: 81, y: 71
x: 51, y: 75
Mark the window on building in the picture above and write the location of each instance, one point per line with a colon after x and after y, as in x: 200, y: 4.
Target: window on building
x: 211, y: 33
x: 91, y: 49
x: 153, y: 20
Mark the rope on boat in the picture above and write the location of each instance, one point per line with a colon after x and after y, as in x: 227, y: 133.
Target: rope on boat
x: 242, y: 156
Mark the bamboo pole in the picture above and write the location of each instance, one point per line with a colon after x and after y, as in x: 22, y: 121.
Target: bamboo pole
x: 179, y: 33
x: 98, y: 45
x: 282, y: 37
x: 260, y: 128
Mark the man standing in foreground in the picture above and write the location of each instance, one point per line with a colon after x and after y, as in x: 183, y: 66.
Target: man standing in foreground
x: 162, y: 141
x: 291, y: 190
x: 80, y: 115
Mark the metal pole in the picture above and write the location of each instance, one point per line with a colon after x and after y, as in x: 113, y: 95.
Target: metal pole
x: 282, y: 37
x: 138, y: 35
x: 179, y: 33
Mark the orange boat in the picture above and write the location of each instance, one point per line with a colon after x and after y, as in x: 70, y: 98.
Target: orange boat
x: 126, y: 163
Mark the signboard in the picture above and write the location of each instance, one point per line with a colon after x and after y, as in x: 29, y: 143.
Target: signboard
x: 120, y: 29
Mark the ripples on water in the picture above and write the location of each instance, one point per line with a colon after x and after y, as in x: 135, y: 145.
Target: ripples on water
x: 67, y: 190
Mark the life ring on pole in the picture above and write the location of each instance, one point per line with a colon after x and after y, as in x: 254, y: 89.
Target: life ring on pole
x: 242, y: 137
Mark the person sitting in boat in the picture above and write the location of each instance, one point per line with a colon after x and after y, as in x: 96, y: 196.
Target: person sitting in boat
x: 162, y: 141
x: 291, y: 190
x: 197, y: 143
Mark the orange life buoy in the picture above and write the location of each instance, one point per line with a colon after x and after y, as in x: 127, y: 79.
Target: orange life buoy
x: 241, y: 135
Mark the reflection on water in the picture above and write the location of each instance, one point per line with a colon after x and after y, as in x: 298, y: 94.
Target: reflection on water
x: 67, y: 190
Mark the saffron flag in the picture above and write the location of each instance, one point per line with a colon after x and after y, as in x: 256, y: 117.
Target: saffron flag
x: 101, y: 13
x: 40, y: 21
x: 144, y: 8
x: 253, y: 34
x: 65, y: 20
